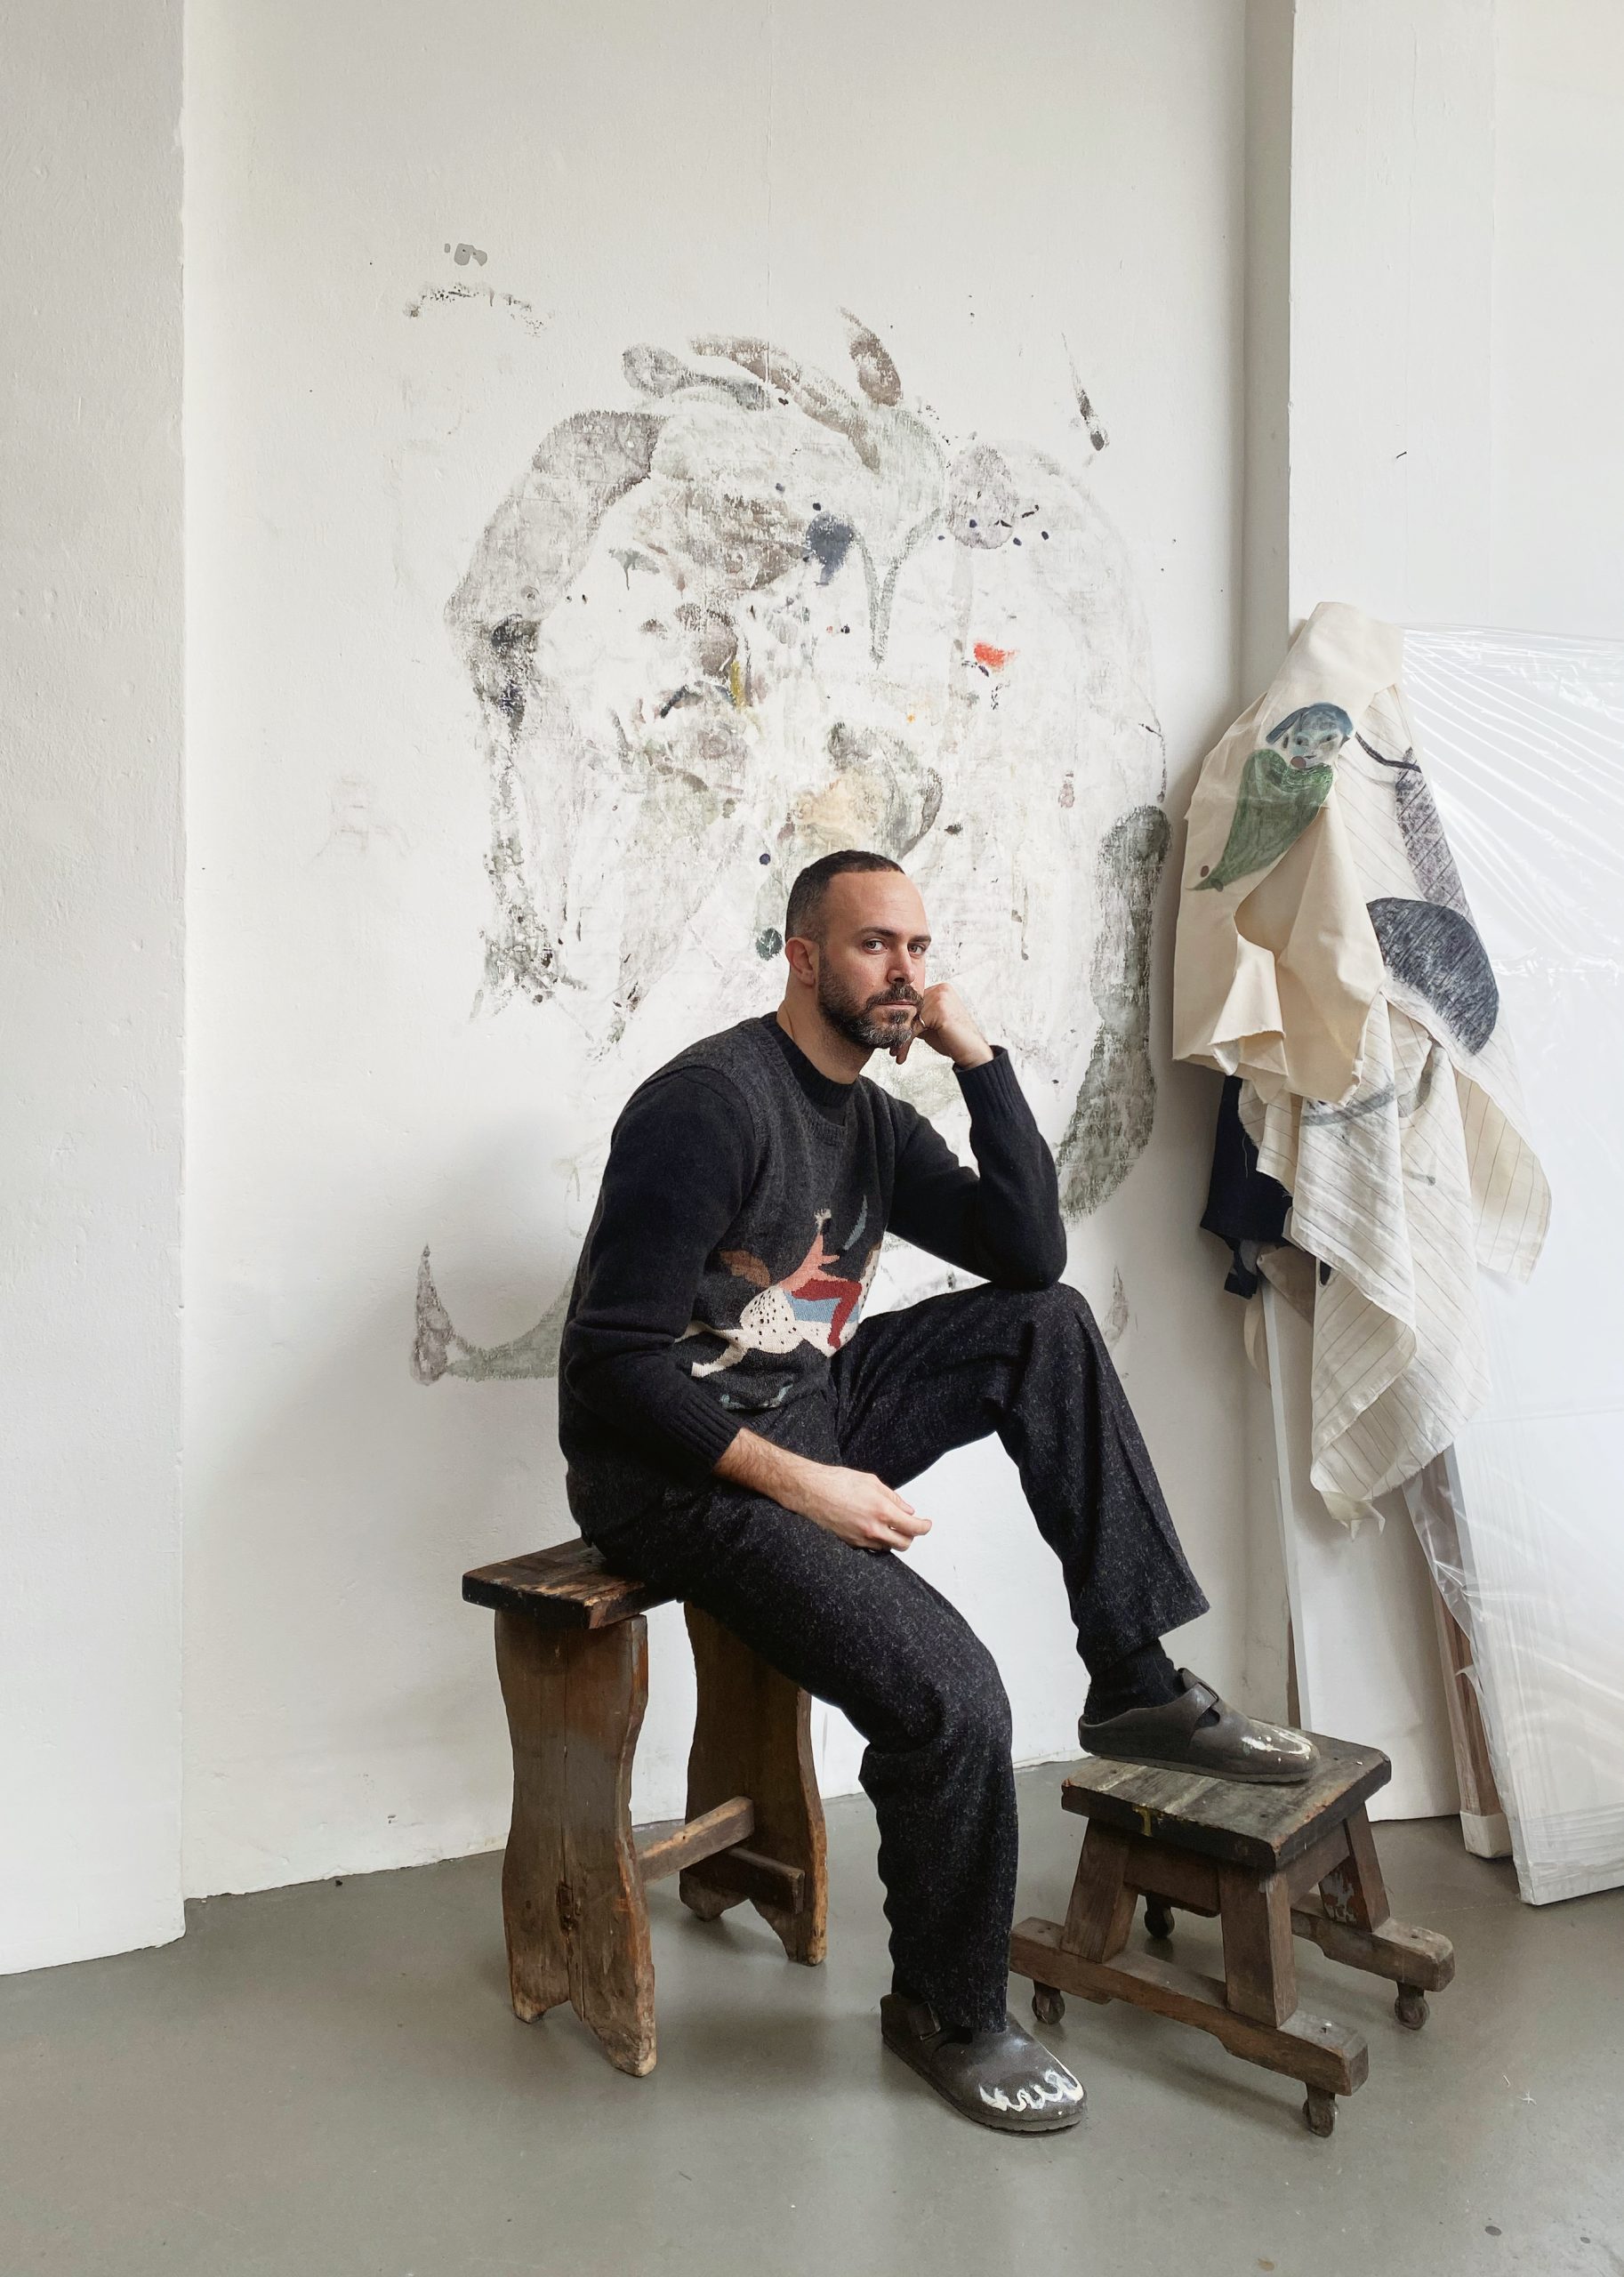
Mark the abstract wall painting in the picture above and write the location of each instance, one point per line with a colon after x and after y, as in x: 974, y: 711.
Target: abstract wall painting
x: 757, y: 613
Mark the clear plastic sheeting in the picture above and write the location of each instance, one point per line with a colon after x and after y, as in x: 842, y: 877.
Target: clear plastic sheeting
x: 1523, y: 739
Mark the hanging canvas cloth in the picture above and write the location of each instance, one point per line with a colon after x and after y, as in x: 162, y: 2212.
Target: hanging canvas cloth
x: 1327, y: 957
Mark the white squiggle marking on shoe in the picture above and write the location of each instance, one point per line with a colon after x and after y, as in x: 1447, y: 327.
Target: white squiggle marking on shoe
x: 1058, y: 2087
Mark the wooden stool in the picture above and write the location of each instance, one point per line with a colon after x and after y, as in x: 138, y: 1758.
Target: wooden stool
x: 571, y: 1652
x: 1254, y: 1856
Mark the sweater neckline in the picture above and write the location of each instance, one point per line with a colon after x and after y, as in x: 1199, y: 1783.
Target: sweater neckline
x: 830, y: 1098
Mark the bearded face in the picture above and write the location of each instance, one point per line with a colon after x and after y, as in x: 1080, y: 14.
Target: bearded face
x: 760, y: 616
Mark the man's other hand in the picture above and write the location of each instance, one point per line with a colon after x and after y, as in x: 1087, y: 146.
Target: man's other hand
x: 859, y: 1508
x: 942, y: 1021
x: 854, y: 1504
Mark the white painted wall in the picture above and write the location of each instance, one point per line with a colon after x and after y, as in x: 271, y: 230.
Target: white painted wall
x: 630, y: 175
x: 91, y: 1004
x: 1456, y: 179
x: 1557, y: 489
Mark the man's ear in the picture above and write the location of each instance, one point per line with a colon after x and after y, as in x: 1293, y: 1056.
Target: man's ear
x: 803, y: 961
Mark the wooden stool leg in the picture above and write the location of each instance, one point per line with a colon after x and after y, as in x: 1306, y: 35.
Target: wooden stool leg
x: 752, y: 1735
x: 1260, y: 1963
x: 1098, y: 1917
x: 572, y: 1892
x: 1100, y: 1913
x: 1354, y: 1893
x: 1352, y: 1923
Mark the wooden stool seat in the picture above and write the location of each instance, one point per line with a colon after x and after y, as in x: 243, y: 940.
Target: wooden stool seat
x: 1270, y: 1863
x: 572, y: 1653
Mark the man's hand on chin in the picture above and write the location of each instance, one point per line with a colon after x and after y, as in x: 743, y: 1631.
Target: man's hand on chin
x: 941, y: 1021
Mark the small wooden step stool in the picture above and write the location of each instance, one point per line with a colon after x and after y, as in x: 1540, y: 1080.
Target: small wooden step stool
x: 1254, y: 1856
x: 572, y: 1652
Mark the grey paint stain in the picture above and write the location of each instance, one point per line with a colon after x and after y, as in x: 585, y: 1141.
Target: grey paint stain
x: 465, y: 253
x: 1114, y: 1326
x: 877, y: 377
x: 437, y: 1350
x: 828, y: 543
x: 1090, y: 418
x: 508, y: 304
x: 1111, y: 1123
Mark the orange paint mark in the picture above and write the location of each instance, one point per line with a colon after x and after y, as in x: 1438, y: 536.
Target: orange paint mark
x: 994, y: 659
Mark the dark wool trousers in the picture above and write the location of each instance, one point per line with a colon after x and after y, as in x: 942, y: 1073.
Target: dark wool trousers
x: 862, y: 1628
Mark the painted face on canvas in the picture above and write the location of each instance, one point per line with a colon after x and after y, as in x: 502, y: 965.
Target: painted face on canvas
x: 763, y: 616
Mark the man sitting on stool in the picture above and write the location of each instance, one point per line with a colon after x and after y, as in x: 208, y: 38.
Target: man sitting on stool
x: 735, y: 1438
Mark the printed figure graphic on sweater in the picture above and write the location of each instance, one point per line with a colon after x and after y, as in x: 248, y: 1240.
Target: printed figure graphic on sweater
x: 810, y: 1304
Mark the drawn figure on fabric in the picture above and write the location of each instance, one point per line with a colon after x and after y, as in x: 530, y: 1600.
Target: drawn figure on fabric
x: 1433, y: 945
x: 811, y: 1305
x: 1282, y: 788
x: 1437, y: 950
x: 1421, y: 827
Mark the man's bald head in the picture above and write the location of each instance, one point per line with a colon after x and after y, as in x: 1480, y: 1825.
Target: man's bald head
x: 804, y: 917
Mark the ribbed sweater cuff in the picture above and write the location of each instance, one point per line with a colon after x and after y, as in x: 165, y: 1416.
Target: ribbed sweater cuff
x: 704, y: 1430
x: 993, y: 1088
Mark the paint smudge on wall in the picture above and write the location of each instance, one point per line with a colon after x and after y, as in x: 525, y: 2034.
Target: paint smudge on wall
x: 509, y: 303
x: 761, y: 612
x: 1085, y: 410
x: 1111, y: 1125
x: 437, y: 1350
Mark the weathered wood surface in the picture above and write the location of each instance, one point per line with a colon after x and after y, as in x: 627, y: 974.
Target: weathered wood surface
x: 752, y: 1735
x: 694, y: 1838
x: 1310, y: 2049
x: 1326, y: 1854
x: 568, y: 1587
x: 743, y: 1872
x: 572, y: 1889
x: 1157, y: 1870
x: 1356, y: 1891
x: 1100, y: 1915
x: 1260, y: 1827
x: 1259, y: 1959
x: 1395, y: 1950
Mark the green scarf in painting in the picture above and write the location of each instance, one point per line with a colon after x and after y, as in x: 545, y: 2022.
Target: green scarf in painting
x: 1275, y: 804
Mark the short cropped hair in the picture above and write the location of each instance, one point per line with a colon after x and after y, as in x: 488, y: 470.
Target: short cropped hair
x: 803, y: 917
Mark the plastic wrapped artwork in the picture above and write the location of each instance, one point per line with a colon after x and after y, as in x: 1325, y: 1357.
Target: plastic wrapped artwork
x: 1524, y: 745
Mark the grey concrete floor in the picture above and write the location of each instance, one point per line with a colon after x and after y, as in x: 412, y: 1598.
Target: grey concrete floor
x: 328, y: 2079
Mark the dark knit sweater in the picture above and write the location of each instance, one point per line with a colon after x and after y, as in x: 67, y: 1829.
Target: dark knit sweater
x: 738, y: 1228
